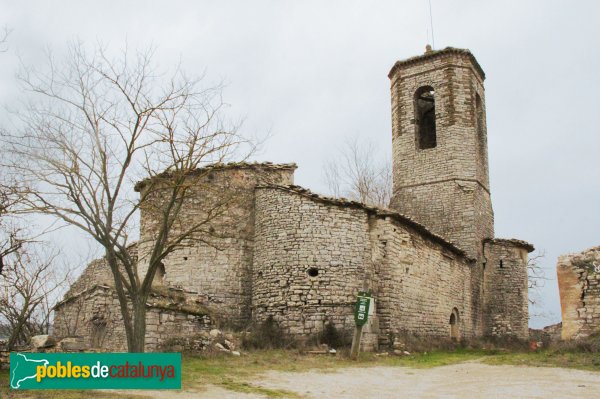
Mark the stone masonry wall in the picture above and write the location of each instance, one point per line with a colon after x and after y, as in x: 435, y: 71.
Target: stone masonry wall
x: 296, y: 237
x: 95, y: 315
x: 218, y: 264
x: 97, y: 272
x: 420, y: 284
x: 446, y: 188
x: 505, y: 289
x: 416, y: 282
x: 579, y: 285
x: 455, y: 209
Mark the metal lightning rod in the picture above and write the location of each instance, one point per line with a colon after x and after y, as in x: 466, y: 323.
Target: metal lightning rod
x: 431, y: 24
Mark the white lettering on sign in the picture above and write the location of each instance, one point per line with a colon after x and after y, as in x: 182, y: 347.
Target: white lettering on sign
x: 372, y: 307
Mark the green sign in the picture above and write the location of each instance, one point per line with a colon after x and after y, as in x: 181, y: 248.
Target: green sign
x: 95, y: 371
x: 361, y: 311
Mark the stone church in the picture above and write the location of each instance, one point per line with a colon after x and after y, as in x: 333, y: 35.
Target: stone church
x: 430, y: 260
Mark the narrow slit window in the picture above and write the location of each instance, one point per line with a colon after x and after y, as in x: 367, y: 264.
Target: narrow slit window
x: 480, y: 122
x: 425, y: 117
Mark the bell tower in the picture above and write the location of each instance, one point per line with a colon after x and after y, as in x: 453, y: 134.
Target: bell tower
x: 440, y: 161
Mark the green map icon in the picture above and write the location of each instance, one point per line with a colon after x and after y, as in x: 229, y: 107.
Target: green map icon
x: 23, y: 368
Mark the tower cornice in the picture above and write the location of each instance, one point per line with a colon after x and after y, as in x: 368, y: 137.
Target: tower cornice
x: 430, y: 55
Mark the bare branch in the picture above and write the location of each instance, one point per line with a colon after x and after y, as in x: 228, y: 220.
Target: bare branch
x: 355, y: 173
x: 93, y: 126
x: 536, y: 277
x: 4, y: 33
x: 27, y: 292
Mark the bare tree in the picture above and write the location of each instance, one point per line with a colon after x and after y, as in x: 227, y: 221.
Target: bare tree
x: 3, y: 39
x: 12, y: 236
x: 536, y: 278
x: 27, y: 292
x: 357, y: 174
x: 96, y: 124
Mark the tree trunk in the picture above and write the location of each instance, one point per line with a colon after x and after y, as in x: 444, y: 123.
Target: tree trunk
x: 138, y: 339
x: 17, y: 331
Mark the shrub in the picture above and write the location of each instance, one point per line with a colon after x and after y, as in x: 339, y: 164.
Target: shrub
x: 333, y: 337
x: 267, y: 335
x: 590, y: 344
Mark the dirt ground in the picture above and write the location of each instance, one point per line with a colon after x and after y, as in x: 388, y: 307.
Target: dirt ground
x: 465, y: 380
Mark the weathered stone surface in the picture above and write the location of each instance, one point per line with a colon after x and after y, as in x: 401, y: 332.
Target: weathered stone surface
x: 229, y: 345
x: 42, y: 341
x: 578, y: 277
x: 73, y: 344
x: 505, y: 286
x: 4, y: 356
x: 94, y: 314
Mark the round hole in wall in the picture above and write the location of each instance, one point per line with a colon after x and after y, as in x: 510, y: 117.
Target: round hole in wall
x: 313, y: 272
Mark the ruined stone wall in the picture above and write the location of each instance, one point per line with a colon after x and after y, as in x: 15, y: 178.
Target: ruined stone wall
x: 97, y: 272
x: 95, y: 315
x: 446, y: 188
x: 417, y: 281
x: 4, y: 356
x: 217, y: 263
x: 579, y: 285
x: 505, y: 288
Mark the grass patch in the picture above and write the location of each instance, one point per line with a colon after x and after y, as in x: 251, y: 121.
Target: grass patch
x: 238, y: 373
x: 548, y: 358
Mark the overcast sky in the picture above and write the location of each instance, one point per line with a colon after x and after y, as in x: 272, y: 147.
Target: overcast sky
x: 315, y: 72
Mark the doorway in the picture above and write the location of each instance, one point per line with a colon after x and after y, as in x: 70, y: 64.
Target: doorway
x: 454, y: 329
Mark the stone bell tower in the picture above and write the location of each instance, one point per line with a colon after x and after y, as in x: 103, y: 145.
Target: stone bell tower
x: 439, y: 144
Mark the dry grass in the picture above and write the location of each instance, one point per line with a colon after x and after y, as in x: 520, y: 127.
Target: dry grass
x: 238, y: 373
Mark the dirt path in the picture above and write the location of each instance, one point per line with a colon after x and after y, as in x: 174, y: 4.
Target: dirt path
x: 465, y: 380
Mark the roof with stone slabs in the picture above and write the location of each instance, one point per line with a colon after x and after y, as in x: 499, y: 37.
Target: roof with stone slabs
x: 373, y: 210
x: 221, y: 166
x: 511, y: 241
x: 432, y: 54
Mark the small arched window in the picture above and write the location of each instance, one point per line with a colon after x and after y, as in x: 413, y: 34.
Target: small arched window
x: 425, y: 117
x: 160, y: 274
